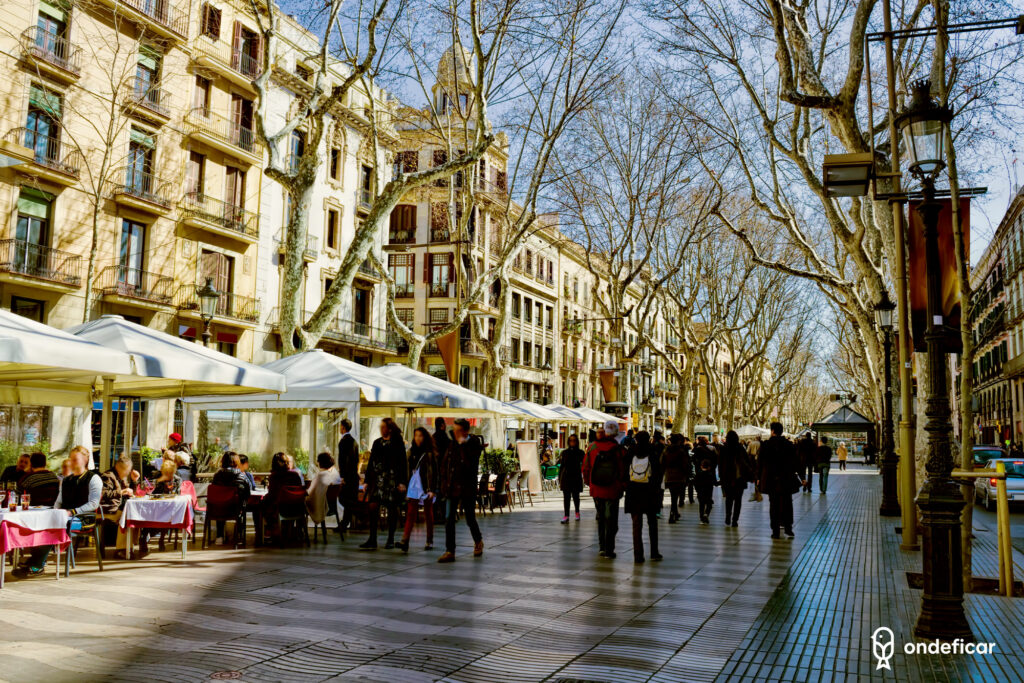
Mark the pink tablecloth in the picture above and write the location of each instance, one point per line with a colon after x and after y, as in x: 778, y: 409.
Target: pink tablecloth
x: 30, y: 528
x: 165, y: 513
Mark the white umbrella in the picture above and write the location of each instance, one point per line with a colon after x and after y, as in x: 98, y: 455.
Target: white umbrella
x: 537, y: 413
x: 568, y: 414
x: 41, y: 365
x: 597, y: 415
x: 458, y: 400
x: 750, y: 431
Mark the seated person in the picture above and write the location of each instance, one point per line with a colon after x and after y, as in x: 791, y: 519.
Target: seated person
x: 40, y: 484
x: 12, y: 474
x: 243, y: 465
x: 65, y: 468
x: 117, y: 489
x: 316, y: 501
x: 80, y: 494
x: 167, y: 483
x: 183, y: 461
x: 281, y: 475
x: 230, y: 474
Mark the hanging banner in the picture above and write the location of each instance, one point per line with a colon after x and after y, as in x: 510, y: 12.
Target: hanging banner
x: 448, y: 347
x: 950, y: 282
x: 609, y: 384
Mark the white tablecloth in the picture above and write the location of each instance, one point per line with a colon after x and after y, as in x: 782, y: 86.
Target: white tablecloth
x: 162, y: 511
x: 40, y: 519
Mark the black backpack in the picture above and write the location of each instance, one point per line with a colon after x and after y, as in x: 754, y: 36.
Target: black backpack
x: 606, y: 468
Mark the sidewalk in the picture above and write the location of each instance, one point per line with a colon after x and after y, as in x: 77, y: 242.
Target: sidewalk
x: 725, y: 604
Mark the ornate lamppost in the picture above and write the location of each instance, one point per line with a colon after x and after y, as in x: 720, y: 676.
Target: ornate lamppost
x: 923, y: 125
x: 208, y: 297
x: 890, y: 461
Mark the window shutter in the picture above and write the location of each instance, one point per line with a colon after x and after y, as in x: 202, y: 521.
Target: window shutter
x: 48, y: 101
x: 426, y: 268
x: 55, y: 10
x: 214, y: 27
x: 451, y: 267
x: 149, y: 57
x: 236, y: 38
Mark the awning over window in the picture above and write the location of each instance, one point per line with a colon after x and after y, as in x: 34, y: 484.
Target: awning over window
x: 36, y: 203
x: 141, y: 137
x: 149, y: 57
x: 54, y: 9
x: 44, y: 99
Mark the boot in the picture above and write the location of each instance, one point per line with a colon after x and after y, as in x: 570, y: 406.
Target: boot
x: 478, y: 549
x: 446, y: 557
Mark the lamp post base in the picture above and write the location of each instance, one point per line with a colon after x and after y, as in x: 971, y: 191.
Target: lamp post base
x: 890, y: 506
x: 942, y: 614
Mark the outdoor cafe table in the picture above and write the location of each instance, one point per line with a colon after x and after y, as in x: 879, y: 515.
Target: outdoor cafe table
x: 30, y: 528
x: 159, y: 513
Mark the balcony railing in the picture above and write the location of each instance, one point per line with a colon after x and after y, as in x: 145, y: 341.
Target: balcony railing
x: 142, y: 185
x: 39, y: 261
x: 245, y: 64
x: 401, y: 236
x: 439, y: 235
x: 441, y: 289
x: 43, y: 45
x: 366, y: 268
x: 143, y: 94
x: 365, y: 197
x: 47, y: 151
x: 312, y: 245
x: 137, y: 284
x: 223, y: 214
x: 229, y: 304
x: 162, y: 12
x: 405, y: 290
x: 231, y: 131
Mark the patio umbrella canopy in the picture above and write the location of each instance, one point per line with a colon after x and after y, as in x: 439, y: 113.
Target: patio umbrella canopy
x: 42, y: 365
x: 537, y: 413
x: 317, y: 379
x: 169, y: 367
x: 596, y: 415
x: 459, y: 401
x: 568, y: 414
x: 750, y: 431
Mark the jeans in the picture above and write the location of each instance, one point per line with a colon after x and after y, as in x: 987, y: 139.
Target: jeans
x: 823, y: 479
x: 807, y: 474
x: 574, y: 496
x: 451, y: 508
x: 607, y: 523
x: 638, y: 533
x: 733, y: 500
x: 412, y: 508
x: 780, y: 511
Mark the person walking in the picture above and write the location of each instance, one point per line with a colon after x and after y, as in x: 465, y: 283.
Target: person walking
x: 570, y: 477
x: 348, y: 469
x: 752, y: 452
x: 822, y: 464
x: 643, y: 494
x: 458, y: 484
x: 675, y: 465
x: 842, y: 454
x: 777, y: 474
x: 705, y: 477
x: 386, y: 477
x: 604, y: 471
x: 805, y: 450
x: 734, y: 471
x: 422, y: 484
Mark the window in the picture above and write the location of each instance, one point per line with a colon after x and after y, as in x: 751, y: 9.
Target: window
x: 437, y: 370
x: 547, y: 355
x: 440, y: 156
x: 409, y: 161
x: 529, y: 261
x: 305, y: 73
x: 537, y: 354
x: 132, y: 253
x: 195, y: 176
x: 438, y: 222
x: 441, y: 267
x: 220, y: 268
x: 516, y: 305
x: 528, y: 309
x: 366, y: 184
x: 147, y: 74
x: 209, y: 24
x: 227, y: 343
x: 334, y: 167
x: 540, y: 314
x: 400, y: 267
x: 296, y: 148
x: 513, y: 390
x: 405, y: 316
x: 361, y: 307
x: 32, y: 232
x: 52, y: 27
x: 141, y: 146
x: 328, y: 281
x: 28, y: 308
x: 201, y: 96
x: 402, y: 229
x: 246, y: 51
x: 42, y: 134
x: 438, y: 318
x: 527, y: 353
x: 234, y: 192
x: 515, y: 350
x: 551, y: 318
x: 331, y: 231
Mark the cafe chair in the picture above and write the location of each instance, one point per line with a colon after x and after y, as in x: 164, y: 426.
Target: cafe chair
x: 84, y: 526
x: 291, y: 510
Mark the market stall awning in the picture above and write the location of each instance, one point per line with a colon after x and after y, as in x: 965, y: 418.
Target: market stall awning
x: 41, y: 365
x: 844, y: 419
x: 317, y: 379
x: 459, y: 401
x: 750, y: 431
x: 169, y: 367
x: 536, y: 412
x: 568, y: 414
x: 596, y: 415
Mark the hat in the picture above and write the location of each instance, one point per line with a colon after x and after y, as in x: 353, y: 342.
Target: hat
x: 176, y: 436
x: 611, y: 427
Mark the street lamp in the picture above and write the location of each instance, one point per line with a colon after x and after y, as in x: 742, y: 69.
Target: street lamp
x: 890, y: 501
x: 922, y: 125
x: 208, y: 298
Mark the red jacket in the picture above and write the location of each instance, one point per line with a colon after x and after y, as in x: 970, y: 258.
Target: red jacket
x: 616, y: 489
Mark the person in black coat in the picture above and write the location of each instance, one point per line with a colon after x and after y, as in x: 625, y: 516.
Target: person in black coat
x: 230, y: 475
x: 734, y: 471
x: 387, y: 474
x: 675, y: 464
x: 777, y: 465
x: 457, y: 481
x: 348, y: 468
x: 643, y: 494
x: 805, y: 450
x: 570, y: 476
x: 705, y: 476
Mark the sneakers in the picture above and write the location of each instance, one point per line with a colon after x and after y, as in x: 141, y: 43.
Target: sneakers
x: 27, y: 572
x: 565, y: 520
x: 446, y: 557
x: 577, y: 516
x: 478, y: 549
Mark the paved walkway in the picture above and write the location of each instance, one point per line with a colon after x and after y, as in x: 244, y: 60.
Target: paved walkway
x: 725, y: 604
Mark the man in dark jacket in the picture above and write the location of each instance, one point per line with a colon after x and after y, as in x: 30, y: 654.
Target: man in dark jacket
x: 822, y: 464
x: 458, y: 484
x: 604, y: 471
x: 777, y: 465
x: 348, y: 468
x: 805, y: 448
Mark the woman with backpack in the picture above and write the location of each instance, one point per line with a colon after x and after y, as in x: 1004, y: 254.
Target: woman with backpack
x: 570, y: 476
x: 643, y: 494
x: 734, y: 471
x: 421, y: 488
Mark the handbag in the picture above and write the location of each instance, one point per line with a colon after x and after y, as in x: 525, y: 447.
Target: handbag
x: 796, y: 484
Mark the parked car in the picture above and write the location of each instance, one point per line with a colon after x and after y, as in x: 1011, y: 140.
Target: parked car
x: 982, y: 454
x: 985, y: 487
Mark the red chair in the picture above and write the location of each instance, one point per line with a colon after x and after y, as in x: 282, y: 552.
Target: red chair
x: 189, y: 489
x: 223, y: 504
x: 291, y: 508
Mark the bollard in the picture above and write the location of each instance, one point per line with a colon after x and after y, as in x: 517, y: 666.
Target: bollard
x: 1003, y: 535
